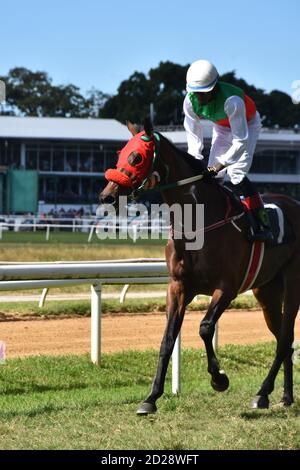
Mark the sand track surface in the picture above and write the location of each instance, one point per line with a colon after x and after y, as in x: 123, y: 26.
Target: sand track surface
x: 123, y: 332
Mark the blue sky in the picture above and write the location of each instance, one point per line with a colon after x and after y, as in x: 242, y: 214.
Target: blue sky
x: 100, y: 43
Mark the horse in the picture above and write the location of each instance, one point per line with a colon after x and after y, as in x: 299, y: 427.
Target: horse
x: 217, y: 269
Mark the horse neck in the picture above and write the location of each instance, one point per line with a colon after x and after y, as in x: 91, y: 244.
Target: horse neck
x: 177, y: 168
x: 199, y: 192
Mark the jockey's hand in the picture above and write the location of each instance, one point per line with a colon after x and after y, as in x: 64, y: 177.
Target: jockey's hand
x: 212, y: 171
x: 152, y: 180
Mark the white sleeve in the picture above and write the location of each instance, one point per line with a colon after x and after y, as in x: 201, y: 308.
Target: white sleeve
x: 235, y: 109
x: 194, y: 131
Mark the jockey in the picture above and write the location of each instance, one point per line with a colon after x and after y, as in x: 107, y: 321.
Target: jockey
x: 235, y: 132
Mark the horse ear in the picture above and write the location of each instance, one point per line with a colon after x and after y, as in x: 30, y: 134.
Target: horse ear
x: 148, y: 127
x: 133, y: 128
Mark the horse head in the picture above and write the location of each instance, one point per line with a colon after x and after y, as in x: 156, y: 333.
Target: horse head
x: 135, y: 163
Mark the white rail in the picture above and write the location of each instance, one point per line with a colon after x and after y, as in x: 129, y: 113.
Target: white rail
x: 62, y: 274
x: 134, y: 228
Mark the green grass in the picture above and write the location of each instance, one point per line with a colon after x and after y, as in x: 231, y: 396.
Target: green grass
x: 83, y: 307
x: 28, y: 252
x: 70, y: 238
x: 68, y: 403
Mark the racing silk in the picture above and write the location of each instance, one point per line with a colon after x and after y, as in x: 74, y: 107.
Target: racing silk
x: 215, y: 110
x: 233, y: 114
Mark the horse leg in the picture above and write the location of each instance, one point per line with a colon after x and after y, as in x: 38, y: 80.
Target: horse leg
x: 219, y: 303
x: 176, y: 303
x: 270, y: 297
x: 286, y: 338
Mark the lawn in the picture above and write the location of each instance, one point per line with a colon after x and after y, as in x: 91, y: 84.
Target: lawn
x: 68, y: 403
x: 71, y: 238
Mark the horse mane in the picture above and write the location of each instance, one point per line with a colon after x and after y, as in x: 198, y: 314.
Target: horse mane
x: 198, y: 166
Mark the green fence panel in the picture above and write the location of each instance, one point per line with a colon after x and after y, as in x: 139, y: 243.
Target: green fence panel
x: 23, y: 191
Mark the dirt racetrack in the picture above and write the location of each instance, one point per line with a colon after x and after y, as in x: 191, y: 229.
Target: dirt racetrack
x: 123, y: 332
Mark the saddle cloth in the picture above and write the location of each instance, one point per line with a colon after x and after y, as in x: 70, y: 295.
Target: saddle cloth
x: 281, y: 227
x: 282, y: 233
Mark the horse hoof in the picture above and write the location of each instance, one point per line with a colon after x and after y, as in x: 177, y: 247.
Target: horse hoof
x: 286, y: 401
x: 220, y: 382
x: 146, y: 409
x: 260, y: 401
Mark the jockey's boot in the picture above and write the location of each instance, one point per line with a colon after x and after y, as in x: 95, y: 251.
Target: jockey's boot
x: 260, y: 228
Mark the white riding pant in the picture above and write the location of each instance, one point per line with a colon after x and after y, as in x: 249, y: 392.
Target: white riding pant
x: 222, y: 141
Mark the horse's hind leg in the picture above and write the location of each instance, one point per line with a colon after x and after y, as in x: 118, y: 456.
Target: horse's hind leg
x: 219, y: 302
x: 177, y: 300
x: 270, y: 297
x: 286, y: 338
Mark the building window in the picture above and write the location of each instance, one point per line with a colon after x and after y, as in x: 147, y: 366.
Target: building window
x: 58, y: 159
x: 45, y: 158
x: 263, y: 162
x: 99, y: 161
x: 85, y: 159
x: 47, y: 189
x: 286, y: 161
x: 32, y: 158
x: 71, y: 159
x: 111, y: 158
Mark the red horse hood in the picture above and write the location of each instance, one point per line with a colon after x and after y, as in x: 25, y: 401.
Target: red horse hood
x: 126, y: 174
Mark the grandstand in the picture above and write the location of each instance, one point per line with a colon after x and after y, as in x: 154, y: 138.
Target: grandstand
x: 54, y: 163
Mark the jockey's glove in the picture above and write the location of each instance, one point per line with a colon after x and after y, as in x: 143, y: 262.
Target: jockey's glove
x: 212, y: 171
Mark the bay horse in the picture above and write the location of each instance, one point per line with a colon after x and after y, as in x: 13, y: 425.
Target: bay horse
x: 217, y: 269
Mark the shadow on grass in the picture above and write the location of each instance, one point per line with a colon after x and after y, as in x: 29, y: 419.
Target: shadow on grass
x: 37, y: 388
x: 275, y: 411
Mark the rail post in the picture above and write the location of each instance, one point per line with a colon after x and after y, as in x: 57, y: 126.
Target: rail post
x: 215, y: 337
x: 176, y: 366
x: 96, y: 323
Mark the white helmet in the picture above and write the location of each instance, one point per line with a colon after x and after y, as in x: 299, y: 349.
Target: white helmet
x: 201, y: 76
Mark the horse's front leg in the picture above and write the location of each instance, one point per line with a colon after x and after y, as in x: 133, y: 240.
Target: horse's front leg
x: 176, y: 303
x: 220, y: 301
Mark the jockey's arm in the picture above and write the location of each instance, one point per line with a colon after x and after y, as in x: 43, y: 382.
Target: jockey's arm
x: 194, y: 131
x: 236, y: 112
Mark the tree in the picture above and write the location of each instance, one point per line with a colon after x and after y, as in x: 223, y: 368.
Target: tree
x: 164, y: 87
x: 96, y: 100
x: 32, y: 94
x: 276, y: 107
x: 132, y: 100
x: 168, y: 80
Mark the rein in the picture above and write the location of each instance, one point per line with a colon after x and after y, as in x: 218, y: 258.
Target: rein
x: 220, y: 223
x: 161, y: 187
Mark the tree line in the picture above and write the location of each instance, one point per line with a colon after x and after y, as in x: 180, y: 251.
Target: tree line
x: 31, y: 93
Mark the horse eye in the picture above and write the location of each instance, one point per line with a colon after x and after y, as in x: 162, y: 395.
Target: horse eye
x: 134, y: 159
